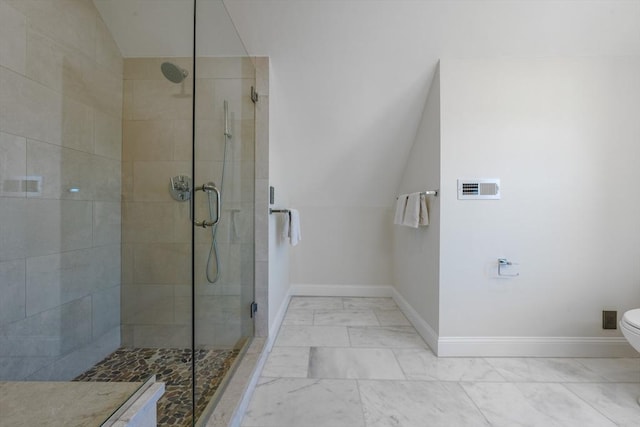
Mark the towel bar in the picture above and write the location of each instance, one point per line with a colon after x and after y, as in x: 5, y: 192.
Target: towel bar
x: 272, y: 211
x: 429, y: 193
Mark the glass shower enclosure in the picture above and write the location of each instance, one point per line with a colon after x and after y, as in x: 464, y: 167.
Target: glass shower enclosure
x: 126, y: 196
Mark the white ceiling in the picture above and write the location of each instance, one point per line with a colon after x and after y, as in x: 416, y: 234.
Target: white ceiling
x: 350, y: 77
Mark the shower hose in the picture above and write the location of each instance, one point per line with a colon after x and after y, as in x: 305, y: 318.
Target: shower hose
x: 213, y: 250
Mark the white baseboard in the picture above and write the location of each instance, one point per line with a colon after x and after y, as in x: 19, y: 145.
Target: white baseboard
x: 314, y: 290
x: 424, y: 329
x: 273, y: 330
x: 534, y: 347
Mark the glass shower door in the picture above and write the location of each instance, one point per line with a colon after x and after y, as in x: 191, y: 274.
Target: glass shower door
x: 224, y: 201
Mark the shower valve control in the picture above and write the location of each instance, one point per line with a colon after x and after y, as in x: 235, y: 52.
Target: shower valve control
x: 180, y: 188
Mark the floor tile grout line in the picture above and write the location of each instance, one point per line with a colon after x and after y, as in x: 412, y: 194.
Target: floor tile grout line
x: 364, y: 415
x: 564, y: 385
x: 461, y: 385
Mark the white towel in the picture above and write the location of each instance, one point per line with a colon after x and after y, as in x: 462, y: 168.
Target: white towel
x: 286, y: 226
x: 294, y: 227
x: 412, y: 211
x: 401, y: 204
x: 424, y: 211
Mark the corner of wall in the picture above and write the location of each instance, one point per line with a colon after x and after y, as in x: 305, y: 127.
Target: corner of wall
x: 416, y: 252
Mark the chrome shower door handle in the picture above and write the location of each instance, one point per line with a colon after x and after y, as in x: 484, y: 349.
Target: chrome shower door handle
x: 211, y: 222
x: 218, y: 204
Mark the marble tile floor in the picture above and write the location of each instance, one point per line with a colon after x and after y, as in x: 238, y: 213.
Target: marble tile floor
x: 358, y: 362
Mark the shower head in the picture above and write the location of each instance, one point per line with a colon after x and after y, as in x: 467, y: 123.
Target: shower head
x: 173, y: 73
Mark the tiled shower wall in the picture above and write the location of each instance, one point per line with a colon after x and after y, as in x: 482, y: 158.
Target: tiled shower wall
x: 156, y: 274
x: 60, y: 148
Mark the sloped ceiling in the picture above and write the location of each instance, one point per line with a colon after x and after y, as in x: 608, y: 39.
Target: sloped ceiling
x: 349, y: 78
x: 149, y: 28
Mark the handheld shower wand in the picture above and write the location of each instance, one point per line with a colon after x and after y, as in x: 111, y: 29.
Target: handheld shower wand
x: 227, y: 133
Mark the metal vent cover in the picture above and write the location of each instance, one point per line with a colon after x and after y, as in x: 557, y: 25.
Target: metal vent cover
x: 479, y: 189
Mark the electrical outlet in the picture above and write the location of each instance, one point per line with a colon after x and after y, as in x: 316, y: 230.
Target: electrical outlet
x: 609, y: 319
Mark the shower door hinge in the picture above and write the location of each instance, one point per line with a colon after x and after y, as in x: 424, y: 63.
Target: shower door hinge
x: 254, y: 308
x: 254, y: 95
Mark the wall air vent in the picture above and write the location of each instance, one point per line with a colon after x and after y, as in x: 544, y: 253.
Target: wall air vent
x: 478, y: 189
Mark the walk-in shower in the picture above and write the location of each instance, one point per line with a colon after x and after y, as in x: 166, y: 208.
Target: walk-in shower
x: 107, y: 272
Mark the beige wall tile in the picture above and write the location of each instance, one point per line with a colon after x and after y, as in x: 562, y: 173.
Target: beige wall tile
x: 262, y: 220
x: 149, y: 68
x: 13, y: 38
x: 57, y: 226
x: 13, y: 164
x: 206, y: 172
x: 107, y: 223
x: 161, y: 263
x: 182, y: 307
x: 61, y: 94
x: 105, y: 90
x: 106, y: 178
x: 151, y: 179
x: 106, y: 311
x: 148, y: 222
x: 148, y: 140
x: 162, y: 336
x: 236, y: 92
x: 181, y: 223
x: 127, y: 100
x: 67, y: 327
x: 53, y: 280
x: 108, y: 135
x: 72, y: 22
x: 225, y: 68
x: 106, y: 266
x: 206, y: 108
x: 127, y: 264
x: 107, y: 52
x: 47, y: 61
x: 182, y: 140
x: 77, y: 126
x: 262, y: 75
x: 127, y: 181
x: 147, y: 304
x: 161, y: 100
x: 13, y: 226
x: 13, y: 291
x: 61, y: 169
x: 29, y: 109
x: 210, y: 139
x: 262, y: 138
x: 141, y: 68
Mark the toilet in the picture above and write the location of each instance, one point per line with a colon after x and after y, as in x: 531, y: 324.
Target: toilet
x: 630, y: 326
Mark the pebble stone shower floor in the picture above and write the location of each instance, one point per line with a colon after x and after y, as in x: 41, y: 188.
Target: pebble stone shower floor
x: 173, y: 367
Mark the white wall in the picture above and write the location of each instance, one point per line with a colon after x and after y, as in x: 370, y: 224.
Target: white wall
x: 279, y: 248
x: 354, y: 78
x: 562, y: 135
x: 416, y: 252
